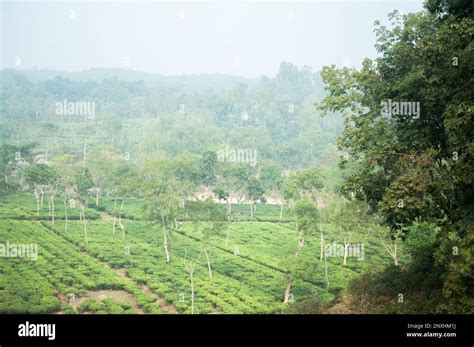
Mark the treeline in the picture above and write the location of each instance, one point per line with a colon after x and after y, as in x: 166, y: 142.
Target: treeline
x: 170, y: 191
x: 406, y: 144
x: 415, y: 170
x: 148, y: 118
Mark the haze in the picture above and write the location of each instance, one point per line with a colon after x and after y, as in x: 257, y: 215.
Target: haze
x: 246, y: 39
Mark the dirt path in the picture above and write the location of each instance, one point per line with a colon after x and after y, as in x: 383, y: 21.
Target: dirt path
x: 342, y: 307
x: 145, y: 290
x: 105, y: 215
x: 118, y: 295
x: 115, y: 295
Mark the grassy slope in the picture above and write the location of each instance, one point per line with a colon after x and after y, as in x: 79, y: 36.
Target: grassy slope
x: 248, y: 274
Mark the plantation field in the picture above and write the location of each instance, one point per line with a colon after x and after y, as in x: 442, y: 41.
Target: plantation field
x: 22, y: 206
x: 248, y: 261
x: 60, y: 269
x: 133, y: 209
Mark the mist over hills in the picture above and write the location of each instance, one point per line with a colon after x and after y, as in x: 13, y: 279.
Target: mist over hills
x: 150, y: 114
x: 205, y: 80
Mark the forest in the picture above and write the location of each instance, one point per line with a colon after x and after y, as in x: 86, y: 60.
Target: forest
x: 341, y: 190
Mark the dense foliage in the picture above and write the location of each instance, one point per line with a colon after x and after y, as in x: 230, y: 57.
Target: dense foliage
x: 218, y: 194
x: 416, y: 167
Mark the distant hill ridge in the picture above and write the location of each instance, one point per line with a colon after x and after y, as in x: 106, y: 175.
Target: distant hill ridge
x: 214, y: 81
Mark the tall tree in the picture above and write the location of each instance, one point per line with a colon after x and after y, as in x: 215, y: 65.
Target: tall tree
x: 82, y: 184
x: 190, y: 267
x: 307, y: 217
x: 210, y: 219
x: 207, y: 168
x: 408, y: 125
x: 255, y: 192
x: 159, y: 187
x: 41, y: 177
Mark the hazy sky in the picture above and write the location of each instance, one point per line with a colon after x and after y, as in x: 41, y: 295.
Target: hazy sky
x: 241, y: 38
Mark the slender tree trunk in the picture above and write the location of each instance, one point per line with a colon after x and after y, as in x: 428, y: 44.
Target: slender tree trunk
x: 228, y: 227
x: 113, y: 225
x: 52, y: 208
x: 165, y: 245
x: 121, y: 227
x: 82, y: 212
x: 190, y: 266
x: 321, y: 241
x: 300, y: 247
x: 346, y: 247
x: 227, y: 239
x: 289, y: 281
x: 37, y: 197
x: 65, y: 216
x: 251, y: 211
x: 49, y: 204
x: 115, y: 216
x: 165, y: 240
x: 326, y: 269
x: 392, y: 251
x: 395, y: 255
x: 191, y: 274
x: 120, y: 221
x: 208, y: 263
x: 289, y: 278
x: 281, y: 211
x: 121, y: 207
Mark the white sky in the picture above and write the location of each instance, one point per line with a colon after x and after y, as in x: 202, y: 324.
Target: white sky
x: 247, y: 39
